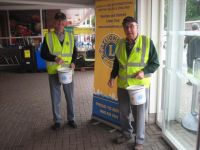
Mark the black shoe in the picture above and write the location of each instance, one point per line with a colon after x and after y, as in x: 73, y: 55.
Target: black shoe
x: 72, y: 124
x: 56, y: 126
x: 189, y: 83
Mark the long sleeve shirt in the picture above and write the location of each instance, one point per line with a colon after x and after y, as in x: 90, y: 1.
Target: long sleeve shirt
x: 45, y: 53
x: 152, y: 63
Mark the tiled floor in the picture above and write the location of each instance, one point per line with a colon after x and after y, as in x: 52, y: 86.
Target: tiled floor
x: 26, y: 117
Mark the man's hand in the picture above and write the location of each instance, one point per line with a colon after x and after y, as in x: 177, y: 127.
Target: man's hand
x: 72, y: 65
x: 59, y: 61
x: 139, y: 75
x: 111, y: 82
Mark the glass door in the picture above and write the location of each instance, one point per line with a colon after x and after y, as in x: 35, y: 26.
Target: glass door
x: 181, y: 87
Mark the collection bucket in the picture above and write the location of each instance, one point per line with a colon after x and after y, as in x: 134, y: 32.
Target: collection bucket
x: 65, y: 75
x: 137, y: 94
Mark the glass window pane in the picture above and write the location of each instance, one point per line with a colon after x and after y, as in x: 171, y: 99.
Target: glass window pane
x: 25, y: 23
x: 182, y: 76
x: 192, y: 10
x: 48, y: 16
x: 4, y: 24
x: 4, y: 43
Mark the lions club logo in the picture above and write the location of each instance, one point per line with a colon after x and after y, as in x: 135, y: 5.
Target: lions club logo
x: 107, y: 49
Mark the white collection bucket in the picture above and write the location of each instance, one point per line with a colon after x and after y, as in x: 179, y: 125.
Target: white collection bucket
x: 65, y: 75
x: 137, y: 94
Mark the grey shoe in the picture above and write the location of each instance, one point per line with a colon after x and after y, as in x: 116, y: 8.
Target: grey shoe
x: 123, y: 139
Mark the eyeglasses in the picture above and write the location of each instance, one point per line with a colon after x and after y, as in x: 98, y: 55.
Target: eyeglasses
x: 131, y: 25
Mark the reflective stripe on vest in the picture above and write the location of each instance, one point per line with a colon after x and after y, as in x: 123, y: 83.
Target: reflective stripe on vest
x: 132, y: 76
x: 129, y: 66
x: 64, y: 51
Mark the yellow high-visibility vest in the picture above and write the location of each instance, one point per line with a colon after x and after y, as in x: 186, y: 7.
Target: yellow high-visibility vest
x: 64, y: 51
x: 137, y: 60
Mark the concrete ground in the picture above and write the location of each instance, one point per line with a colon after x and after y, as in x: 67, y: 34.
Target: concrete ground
x: 26, y: 117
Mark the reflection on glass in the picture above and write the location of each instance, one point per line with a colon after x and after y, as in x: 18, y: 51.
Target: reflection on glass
x: 25, y: 23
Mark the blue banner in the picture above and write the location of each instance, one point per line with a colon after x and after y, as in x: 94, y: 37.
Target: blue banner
x: 106, y: 108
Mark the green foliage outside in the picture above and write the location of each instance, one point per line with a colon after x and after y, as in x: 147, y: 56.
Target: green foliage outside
x: 192, y: 10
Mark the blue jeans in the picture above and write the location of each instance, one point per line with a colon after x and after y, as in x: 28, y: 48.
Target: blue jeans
x: 55, y: 91
x: 138, y: 112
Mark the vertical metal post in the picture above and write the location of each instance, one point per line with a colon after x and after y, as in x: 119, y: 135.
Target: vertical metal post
x: 198, y: 133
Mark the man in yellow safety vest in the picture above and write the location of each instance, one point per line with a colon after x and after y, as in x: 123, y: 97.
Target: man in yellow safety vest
x: 135, y: 59
x: 58, y: 48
